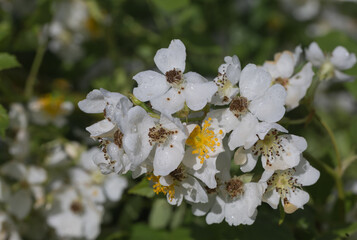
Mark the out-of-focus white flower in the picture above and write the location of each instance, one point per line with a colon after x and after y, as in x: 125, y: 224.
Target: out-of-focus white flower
x: 8, y: 229
x: 228, y: 77
x: 302, y: 10
x: 92, y: 184
x: 168, y: 92
x: 63, y: 152
x: 282, y: 69
x: 50, y: 109
x: 331, y: 66
x: 19, y: 146
x: 70, y: 27
x: 285, y: 185
x: 30, y: 180
x: 74, y: 216
x: 278, y: 152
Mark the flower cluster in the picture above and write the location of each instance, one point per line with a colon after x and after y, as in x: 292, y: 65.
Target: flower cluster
x: 183, y: 132
x: 62, y: 194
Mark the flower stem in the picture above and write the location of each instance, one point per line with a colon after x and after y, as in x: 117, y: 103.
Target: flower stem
x: 31, y: 79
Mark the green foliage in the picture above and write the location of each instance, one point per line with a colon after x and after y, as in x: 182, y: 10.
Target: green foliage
x: 8, y: 61
x: 4, y: 121
x: 142, y: 189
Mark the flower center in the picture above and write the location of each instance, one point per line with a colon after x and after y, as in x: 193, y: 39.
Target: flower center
x: 203, y: 140
x: 239, y: 106
x: 282, y: 81
x: 118, y: 138
x: 283, y: 182
x: 224, y: 86
x: 158, y: 188
x: 77, y: 207
x: 174, y: 77
x: 235, y: 187
x: 178, y: 174
x: 159, y: 134
x: 326, y: 71
x: 270, y: 147
x: 51, y: 105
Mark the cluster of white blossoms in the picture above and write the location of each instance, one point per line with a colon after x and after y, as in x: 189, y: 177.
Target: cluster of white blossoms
x: 183, y: 132
x: 62, y: 194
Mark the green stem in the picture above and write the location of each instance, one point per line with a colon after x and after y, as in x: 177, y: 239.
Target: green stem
x: 31, y: 79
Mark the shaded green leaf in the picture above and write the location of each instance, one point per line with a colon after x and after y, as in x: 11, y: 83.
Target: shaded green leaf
x: 143, y: 189
x: 4, y: 121
x: 160, y: 214
x: 8, y: 61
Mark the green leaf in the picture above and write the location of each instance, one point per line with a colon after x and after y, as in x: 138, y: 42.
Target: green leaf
x: 4, y: 121
x: 160, y: 214
x: 171, y: 5
x: 143, y: 189
x: 8, y: 61
x: 178, y: 216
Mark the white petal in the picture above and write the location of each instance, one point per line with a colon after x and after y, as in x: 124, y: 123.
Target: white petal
x: 193, y: 77
x: 114, y: 186
x: 201, y: 209
x: 207, y: 173
x: 251, y: 162
x: 272, y: 68
x: 194, y: 191
x: 14, y: 170
x: 174, y: 56
x: 216, y: 215
x: 197, y: 95
x: 102, y: 128
x: 170, y: 102
x: 272, y: 198
x: 167, y: 159
x: 245, y: 133
x: 306, y: 174
x: 270, y: 107
x: 342, y: 59
x: 150, y: 85
x: 94, y: 102
x: 299, y: 198
x: 20, y: 204
x: 341, y: 77
x: 314, y: 54
x: 36, y: 175
x: 297, y: 53
x: 286, y: 64
x: 254, y: 81
x: 264, y: 127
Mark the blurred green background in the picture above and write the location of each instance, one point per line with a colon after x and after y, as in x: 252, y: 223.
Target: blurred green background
x: 121, y: 38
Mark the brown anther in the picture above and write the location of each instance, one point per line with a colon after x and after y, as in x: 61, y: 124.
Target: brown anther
x: 118, y: 138
x: 174, y: 76
x: 235, y: 187
x: 239, y: 106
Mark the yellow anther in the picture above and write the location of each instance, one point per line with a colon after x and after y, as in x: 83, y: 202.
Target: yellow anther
x: 158, y: 188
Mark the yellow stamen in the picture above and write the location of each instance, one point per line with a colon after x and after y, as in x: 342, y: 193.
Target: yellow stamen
x: 51, y: 105
x: 203, y: 140
x: 158, y: 188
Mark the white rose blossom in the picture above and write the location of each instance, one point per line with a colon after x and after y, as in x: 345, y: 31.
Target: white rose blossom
x: 331, y: 66
x: 168, y: 92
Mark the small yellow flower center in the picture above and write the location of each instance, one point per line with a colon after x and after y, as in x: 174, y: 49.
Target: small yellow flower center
x: 283, y: 182
x: 51, y: 105
x: 203, y: 140
x: 158, y: 188
x: 270, y: 147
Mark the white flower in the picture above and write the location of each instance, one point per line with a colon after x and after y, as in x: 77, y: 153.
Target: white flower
x: 19, y: 146
x: 8, y: 229
x: 331, y: 66
x: 282, y: 69
x: 93, y: 184
x: 179, y: 185
x: 286, y: 185
x: 278, y: 152
x: 169, y: 91
x: 74, y: 216
x: 233, y: 200
x: 169, y: 136
x: 50, y: 109
x: 228, y: 77
x: 258, y: 100
x: 31, y: 179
